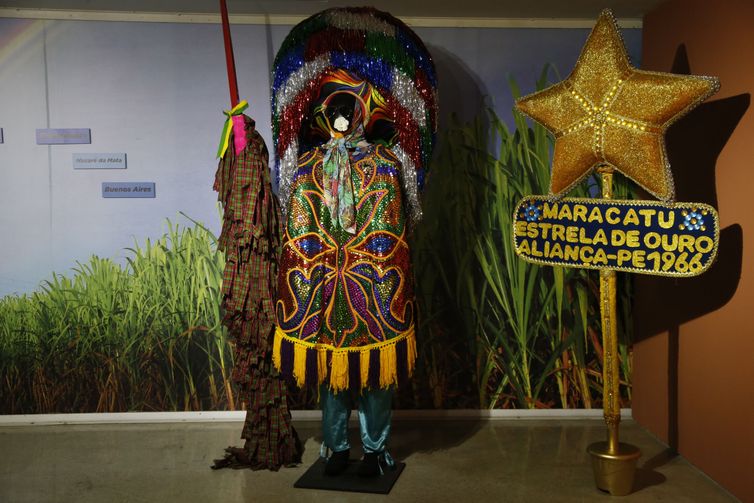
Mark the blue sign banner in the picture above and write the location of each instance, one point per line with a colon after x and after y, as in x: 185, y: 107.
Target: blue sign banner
x: 64, y: 136
x: 128, y: 190
x: 99, y: 161
x: 647, y: 237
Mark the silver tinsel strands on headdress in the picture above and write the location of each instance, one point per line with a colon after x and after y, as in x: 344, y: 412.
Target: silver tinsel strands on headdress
x: 296, y: 82
x: 410, y: 189
x: 408, y: 97
x: 288, y: 166
x: 364, y: 22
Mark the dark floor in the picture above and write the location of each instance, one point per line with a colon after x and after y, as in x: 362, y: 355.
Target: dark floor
x: 467, y: 461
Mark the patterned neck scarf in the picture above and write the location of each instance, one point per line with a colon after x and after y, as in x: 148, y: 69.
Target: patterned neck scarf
x: 337, y: 177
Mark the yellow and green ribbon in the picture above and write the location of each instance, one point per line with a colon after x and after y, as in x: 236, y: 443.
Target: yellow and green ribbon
x: 228, y: 127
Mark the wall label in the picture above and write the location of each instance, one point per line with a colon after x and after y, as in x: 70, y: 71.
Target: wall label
x: 648, y: 237
x: 2, y: 138
x: 64, y: 136
x: 128, y: 189
x: 99, y: 161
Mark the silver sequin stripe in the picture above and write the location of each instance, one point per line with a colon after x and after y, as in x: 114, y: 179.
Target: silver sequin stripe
x: 360, y: 22
x: 298, y: 80
x: 288, y: 166
x: 407, y: 95
x: 410, y: 188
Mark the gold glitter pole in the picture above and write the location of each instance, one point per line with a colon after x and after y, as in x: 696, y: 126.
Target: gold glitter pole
x: 611, y: 368
x: 614, y: 463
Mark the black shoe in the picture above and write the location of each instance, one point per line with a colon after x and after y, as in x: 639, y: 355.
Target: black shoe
x: 370, y: 465
x: 337, y: 463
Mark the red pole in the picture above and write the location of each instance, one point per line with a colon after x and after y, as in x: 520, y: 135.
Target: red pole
x: 229, y: 59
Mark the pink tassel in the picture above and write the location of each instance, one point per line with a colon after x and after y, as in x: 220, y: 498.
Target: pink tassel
x: 239, y: 133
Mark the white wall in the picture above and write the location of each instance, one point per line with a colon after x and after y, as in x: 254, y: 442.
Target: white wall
x: 156, y: 91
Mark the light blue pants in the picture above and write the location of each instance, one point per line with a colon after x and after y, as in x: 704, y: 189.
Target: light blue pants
x: 375, y: 414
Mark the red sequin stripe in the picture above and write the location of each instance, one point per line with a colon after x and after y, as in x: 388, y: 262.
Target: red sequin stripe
x: 408, y: 130
x: 293, y: 115
x: 333, y: 38
x: 427, y: 93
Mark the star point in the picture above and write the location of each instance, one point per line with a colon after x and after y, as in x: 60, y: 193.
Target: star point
x: 608, y: 112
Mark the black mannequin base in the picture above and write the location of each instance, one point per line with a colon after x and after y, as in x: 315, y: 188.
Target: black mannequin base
x: 349, y: 480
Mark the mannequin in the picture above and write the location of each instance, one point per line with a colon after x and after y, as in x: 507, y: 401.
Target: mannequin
x: 345, y: 310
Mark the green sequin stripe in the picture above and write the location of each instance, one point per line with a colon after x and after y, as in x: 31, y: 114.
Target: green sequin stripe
x: 389, y: 49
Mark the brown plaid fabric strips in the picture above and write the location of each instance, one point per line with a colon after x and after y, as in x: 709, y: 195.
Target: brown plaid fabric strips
x: 250, y: 238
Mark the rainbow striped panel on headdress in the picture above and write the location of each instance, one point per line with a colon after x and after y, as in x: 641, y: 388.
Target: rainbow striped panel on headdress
x: 377, y: 48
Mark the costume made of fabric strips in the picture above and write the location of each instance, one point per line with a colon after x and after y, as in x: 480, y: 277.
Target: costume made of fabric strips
x: 345, y: 309
x: 250, y: 238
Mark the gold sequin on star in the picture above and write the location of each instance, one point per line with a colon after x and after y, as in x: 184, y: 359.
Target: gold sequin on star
x: 608, y: 112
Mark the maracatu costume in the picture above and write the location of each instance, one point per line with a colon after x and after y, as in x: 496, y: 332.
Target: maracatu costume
x: 345, y: 306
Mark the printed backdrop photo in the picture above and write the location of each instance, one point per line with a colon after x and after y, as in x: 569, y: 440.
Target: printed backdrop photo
x: 113, y: 303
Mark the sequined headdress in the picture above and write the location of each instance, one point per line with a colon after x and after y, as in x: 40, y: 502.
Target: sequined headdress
x: 377, y: 48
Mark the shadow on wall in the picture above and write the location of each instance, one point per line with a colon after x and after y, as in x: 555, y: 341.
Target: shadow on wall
x: 462, y: 98
x: 462, y: 94
x: 694, y: 144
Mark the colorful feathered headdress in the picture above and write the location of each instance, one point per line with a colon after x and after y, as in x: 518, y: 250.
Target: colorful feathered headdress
x: 373, y: 46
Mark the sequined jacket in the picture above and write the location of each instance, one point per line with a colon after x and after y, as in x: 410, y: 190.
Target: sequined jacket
x: 345, y: 308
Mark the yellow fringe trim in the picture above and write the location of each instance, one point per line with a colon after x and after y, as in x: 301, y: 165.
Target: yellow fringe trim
x: 338, y: 371
x: 299, y: 364
x: 321, y: 366
x: 411, y: 354
x: 364, y: 367
x: 388, y: 375
x: 276, y: 349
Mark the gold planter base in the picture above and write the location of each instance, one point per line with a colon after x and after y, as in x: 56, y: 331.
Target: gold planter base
x: 614, y: 471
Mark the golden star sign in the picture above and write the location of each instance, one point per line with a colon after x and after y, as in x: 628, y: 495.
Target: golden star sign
x: 608, y: 112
